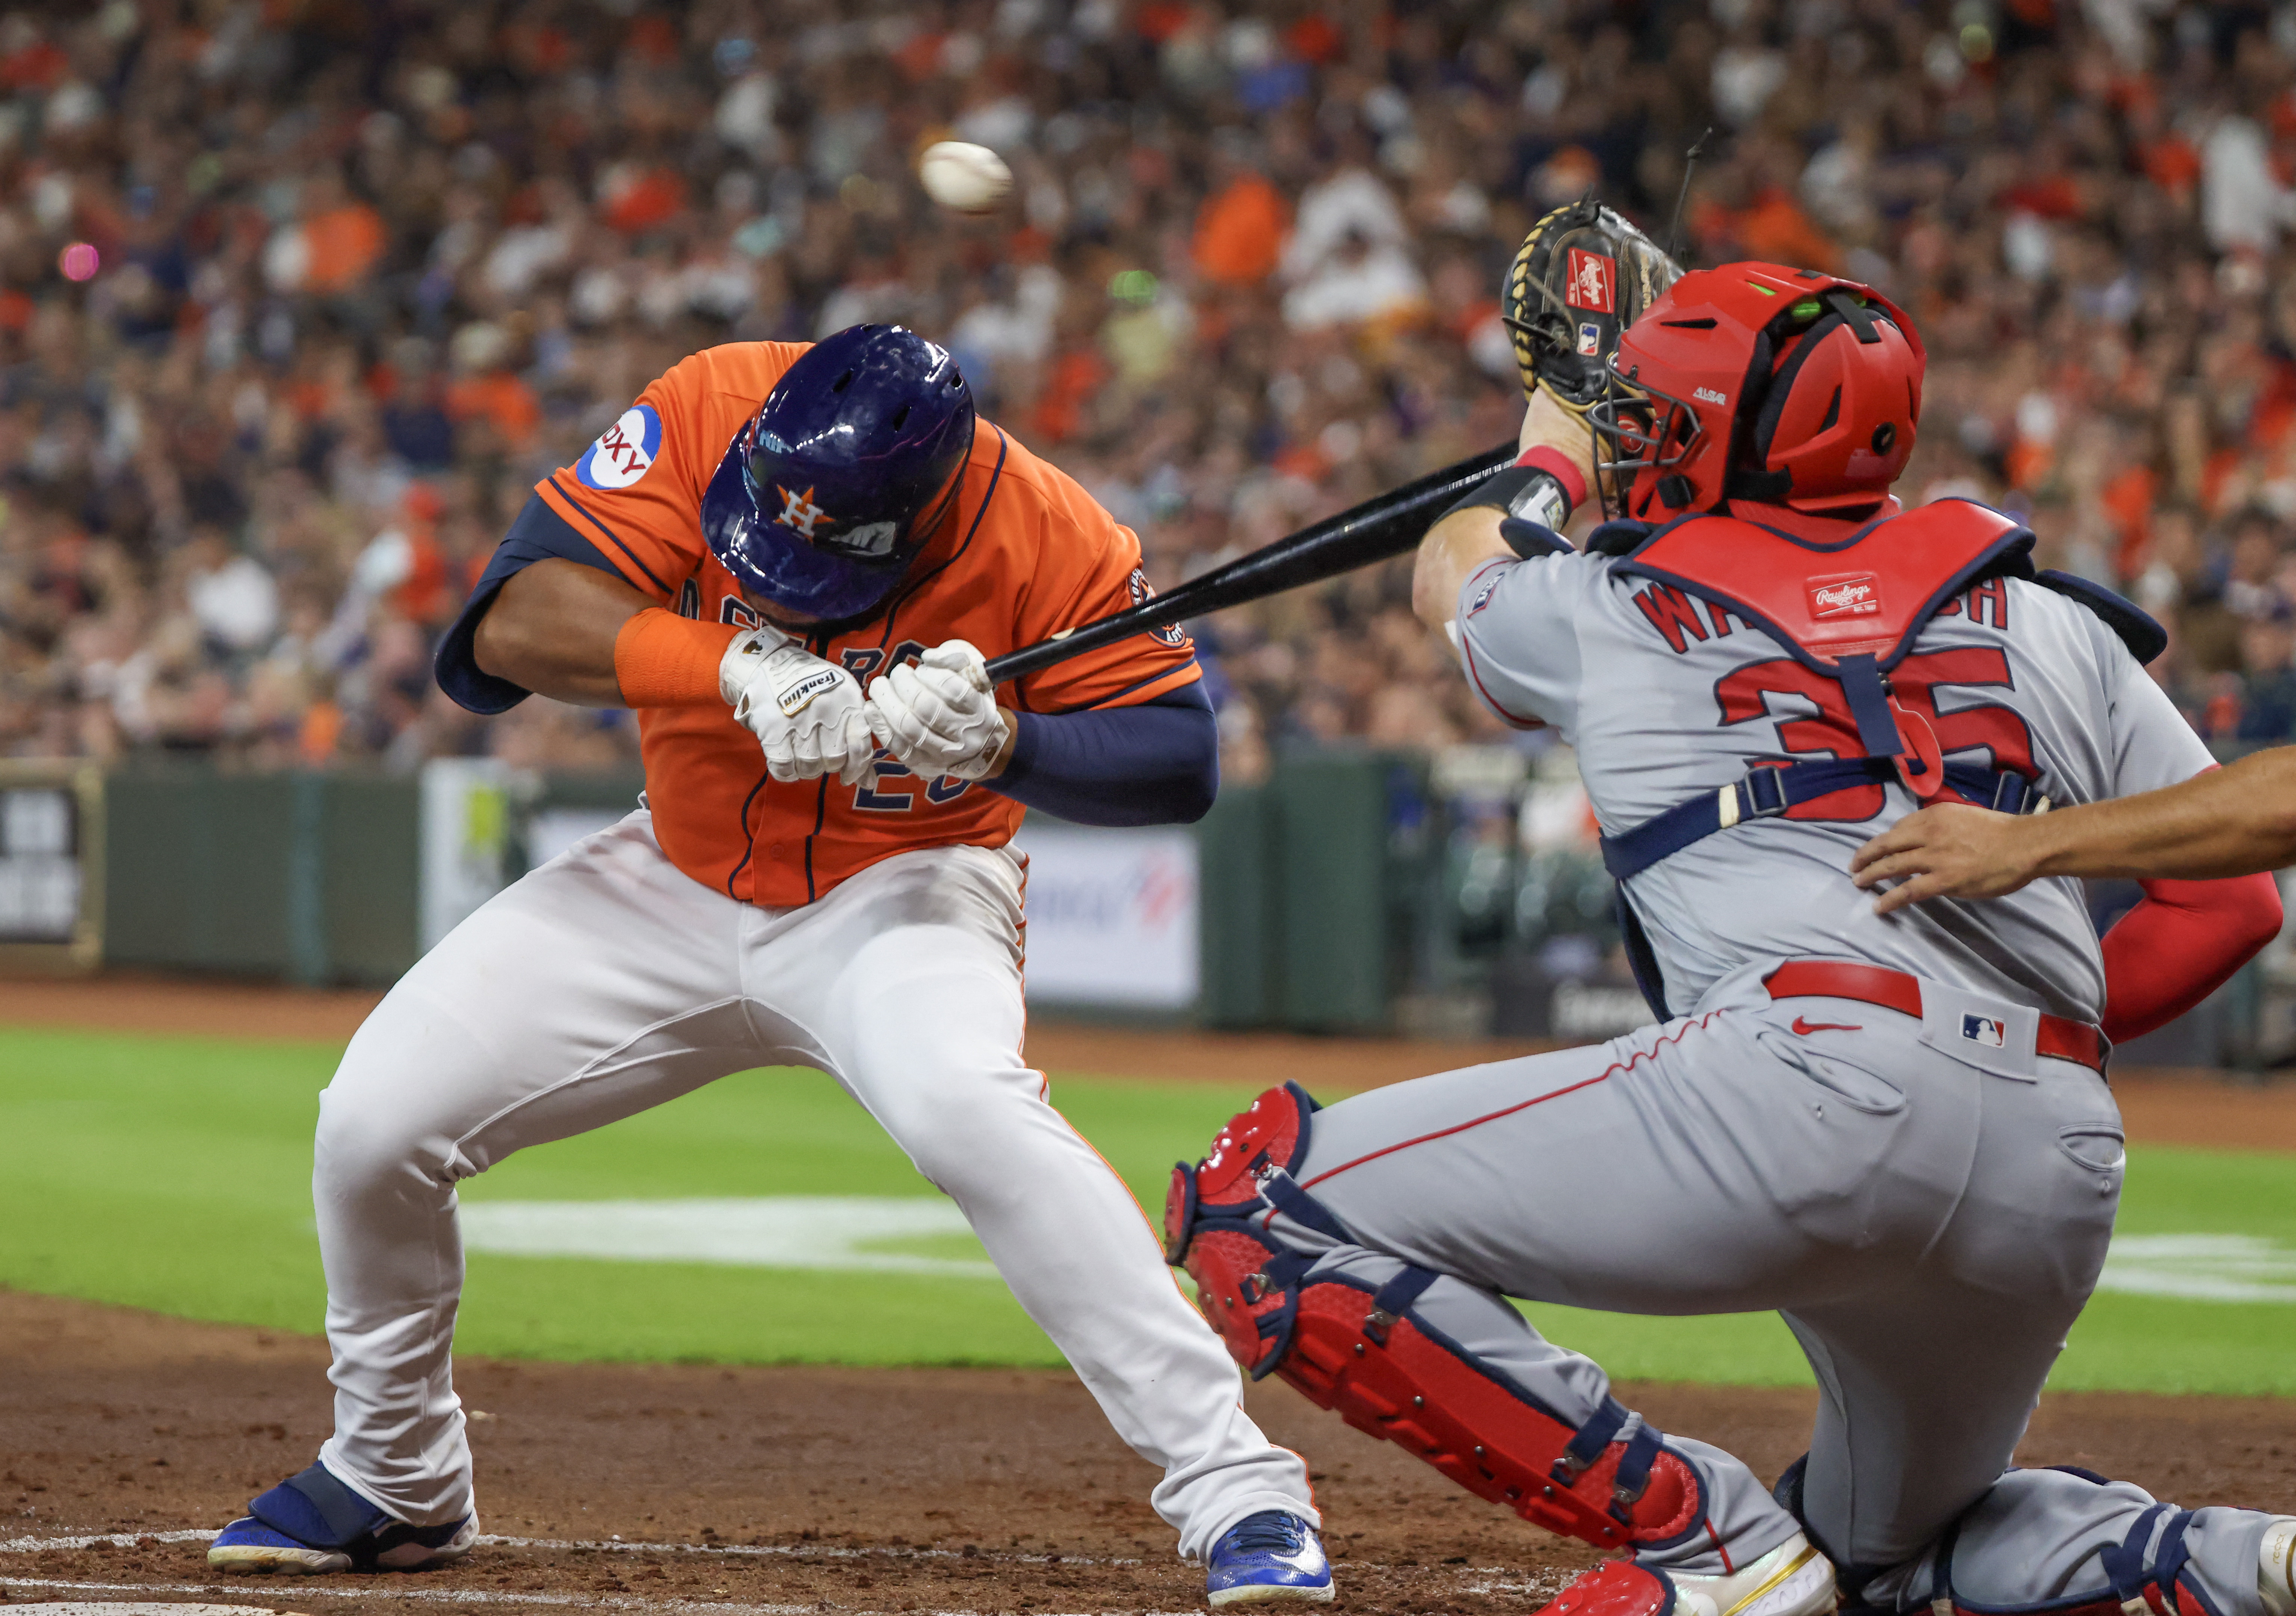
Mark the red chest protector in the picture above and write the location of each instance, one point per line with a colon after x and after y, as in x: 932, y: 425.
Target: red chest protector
x: 1849, y: 609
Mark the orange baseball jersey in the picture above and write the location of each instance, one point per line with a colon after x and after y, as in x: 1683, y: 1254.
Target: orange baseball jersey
x: 1026, y: 553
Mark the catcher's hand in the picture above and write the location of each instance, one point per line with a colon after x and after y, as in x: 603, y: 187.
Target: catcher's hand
x: 1583, y: 275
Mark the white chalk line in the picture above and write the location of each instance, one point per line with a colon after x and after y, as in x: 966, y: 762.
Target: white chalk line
x: 792, y: 1551
x: 33, y: 1545
x: 1499, y: 1579
x: 813, y: 1551
x: 300, y: 1586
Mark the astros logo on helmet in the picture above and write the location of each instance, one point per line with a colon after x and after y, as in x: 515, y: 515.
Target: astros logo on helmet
x: 798, y: 510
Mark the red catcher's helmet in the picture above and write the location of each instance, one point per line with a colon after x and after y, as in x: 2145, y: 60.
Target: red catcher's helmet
x: 1759, y: 382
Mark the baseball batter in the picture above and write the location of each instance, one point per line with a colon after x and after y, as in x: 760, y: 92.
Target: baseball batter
x: 1895, y: 1130
x: 792, y: 562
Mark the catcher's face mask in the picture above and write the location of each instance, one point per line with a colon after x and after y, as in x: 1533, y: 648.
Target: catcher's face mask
x: 1640, y: 428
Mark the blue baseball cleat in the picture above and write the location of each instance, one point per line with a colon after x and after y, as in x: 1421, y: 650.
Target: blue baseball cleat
x: 313, y: 1523
x: 1268, y: 1557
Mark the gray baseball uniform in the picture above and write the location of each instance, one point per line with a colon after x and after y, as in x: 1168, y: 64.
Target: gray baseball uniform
x: 1929, y: 1208
x: 2016, y: 670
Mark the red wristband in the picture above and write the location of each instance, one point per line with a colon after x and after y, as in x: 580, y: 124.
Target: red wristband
x: 1556, y: 465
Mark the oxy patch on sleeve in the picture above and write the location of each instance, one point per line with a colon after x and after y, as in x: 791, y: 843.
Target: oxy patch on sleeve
x: 624, y: 452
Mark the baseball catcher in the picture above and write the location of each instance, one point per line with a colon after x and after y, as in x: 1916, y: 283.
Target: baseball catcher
x: 1894, y: 1130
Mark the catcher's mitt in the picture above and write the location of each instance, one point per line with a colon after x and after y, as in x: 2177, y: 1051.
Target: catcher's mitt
x: 1583, y: 275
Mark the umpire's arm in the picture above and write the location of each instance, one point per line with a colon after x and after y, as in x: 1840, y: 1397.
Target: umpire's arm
x: 2239, y: 820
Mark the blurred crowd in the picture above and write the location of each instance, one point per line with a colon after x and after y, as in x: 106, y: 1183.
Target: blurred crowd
x: 298, y: 298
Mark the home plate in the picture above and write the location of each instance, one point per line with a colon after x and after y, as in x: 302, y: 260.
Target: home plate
x: 94, y: 1607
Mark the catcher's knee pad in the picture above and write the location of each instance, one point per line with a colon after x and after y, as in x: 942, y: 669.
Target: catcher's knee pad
x: 1215, y: 1214
x: 1364, y: 1353
x: 1248, y: 1174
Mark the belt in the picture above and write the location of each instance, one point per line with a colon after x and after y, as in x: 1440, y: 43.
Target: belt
x: 2058, y: 1038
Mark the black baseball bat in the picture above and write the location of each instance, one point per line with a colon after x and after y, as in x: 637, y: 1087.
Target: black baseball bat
x: 1372, y: 531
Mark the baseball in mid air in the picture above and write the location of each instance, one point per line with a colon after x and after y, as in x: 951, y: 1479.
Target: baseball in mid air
x: 961, y: 175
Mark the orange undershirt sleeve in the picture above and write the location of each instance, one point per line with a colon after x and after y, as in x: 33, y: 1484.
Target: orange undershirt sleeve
x: 662, y: 660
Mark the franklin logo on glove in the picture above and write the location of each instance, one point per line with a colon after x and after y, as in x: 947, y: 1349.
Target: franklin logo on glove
x: 794, y: 699
x: 814, y: 724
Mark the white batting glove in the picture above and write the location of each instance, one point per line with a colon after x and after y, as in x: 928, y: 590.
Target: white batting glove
x: 940, y: 717
x: 808, y: 715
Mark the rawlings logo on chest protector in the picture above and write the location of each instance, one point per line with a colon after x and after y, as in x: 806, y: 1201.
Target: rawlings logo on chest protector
x: 1844, y: 594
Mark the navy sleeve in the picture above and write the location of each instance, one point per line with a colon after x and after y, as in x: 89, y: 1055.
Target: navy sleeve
x: 539, y: 534
x: 1157, y: 763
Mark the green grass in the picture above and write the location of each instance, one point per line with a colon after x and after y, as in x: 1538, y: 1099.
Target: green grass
x: 173, y: 1173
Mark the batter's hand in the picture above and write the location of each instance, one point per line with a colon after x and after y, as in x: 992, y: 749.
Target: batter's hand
x: 941, y: 717
x: 808, y: 715
x: 1948, y: 850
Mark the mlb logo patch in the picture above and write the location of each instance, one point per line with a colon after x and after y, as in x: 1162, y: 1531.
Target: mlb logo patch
x: 1849, y: 594
x: 1984, y: 1029
x: 1593, y: 282
x: 1590, y: 340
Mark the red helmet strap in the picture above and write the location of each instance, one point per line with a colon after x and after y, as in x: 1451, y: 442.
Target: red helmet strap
x: 1752, y: 428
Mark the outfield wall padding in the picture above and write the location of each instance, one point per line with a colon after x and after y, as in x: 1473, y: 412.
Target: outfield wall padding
x: 310, y: 877
x: 315, y: 877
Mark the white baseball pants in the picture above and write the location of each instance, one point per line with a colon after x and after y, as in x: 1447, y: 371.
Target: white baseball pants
x: 606, y: 982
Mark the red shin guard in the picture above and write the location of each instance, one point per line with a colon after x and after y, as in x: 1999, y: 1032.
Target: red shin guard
x: 1387, y: 1377
x: 1367, y: 1358
x: 1392, y: 1381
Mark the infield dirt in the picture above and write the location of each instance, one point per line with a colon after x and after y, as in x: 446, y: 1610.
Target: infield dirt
x: 833, y: 1490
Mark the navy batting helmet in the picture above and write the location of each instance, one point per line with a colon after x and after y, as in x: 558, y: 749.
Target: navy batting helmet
x: 826, y: 496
